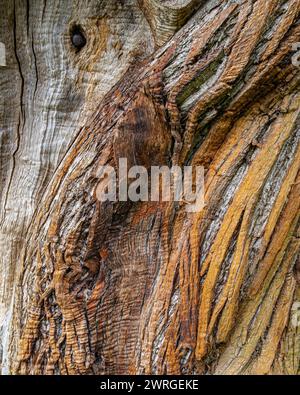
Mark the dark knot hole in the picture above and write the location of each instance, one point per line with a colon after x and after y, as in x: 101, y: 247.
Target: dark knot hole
x: 77, y: 37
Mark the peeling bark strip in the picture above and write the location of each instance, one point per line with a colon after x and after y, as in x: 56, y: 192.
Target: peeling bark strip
x: 146, y: 287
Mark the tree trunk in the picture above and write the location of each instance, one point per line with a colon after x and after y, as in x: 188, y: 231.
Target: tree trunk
x: 91, y: 287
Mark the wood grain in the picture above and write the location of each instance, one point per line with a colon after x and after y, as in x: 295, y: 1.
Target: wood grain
x: 145, y: 287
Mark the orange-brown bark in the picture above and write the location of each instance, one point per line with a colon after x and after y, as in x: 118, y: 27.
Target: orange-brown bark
x: 147, y: 287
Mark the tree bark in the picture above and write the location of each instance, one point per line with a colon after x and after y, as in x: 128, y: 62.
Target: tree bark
x: 146, y: 287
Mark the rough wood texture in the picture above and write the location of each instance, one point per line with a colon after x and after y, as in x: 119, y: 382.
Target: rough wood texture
x: 48, y: 91
x: 147, y: 287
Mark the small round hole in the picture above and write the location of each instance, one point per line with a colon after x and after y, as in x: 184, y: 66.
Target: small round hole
x: 77, y: 37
